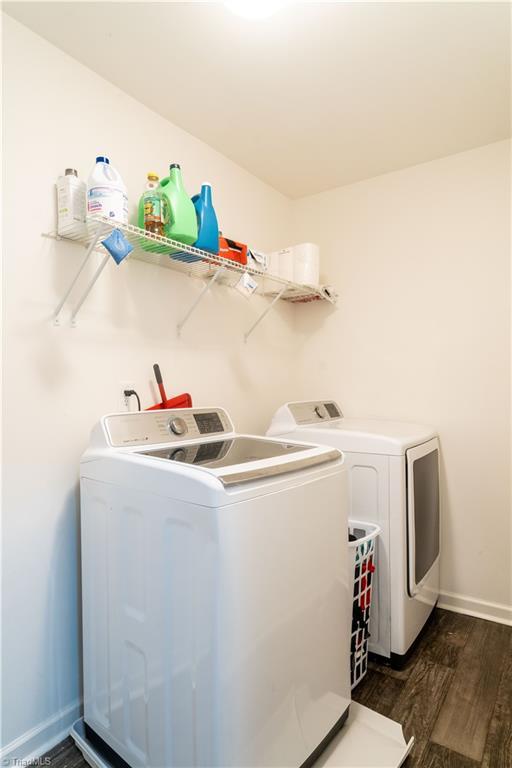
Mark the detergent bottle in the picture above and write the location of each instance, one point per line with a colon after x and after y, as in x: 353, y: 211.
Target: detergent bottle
x: 151, y: 214
x: 208, y: 238
x: 106, y: 192
x: 71, y: 204
x: 181, y: 223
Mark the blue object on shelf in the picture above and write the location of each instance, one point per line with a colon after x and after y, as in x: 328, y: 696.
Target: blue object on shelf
x: 207, y: 226
x: 117, y: 245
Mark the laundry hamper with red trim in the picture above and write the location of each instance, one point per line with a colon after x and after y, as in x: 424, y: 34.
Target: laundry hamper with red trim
x: 362, y: 549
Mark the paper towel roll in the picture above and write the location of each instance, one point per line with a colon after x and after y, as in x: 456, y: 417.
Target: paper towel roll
x: 273, y: 264
x: 286, y: 263
x: 306, y: 264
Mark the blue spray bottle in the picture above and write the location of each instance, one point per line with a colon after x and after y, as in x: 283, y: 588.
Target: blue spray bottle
x: 208, y: 227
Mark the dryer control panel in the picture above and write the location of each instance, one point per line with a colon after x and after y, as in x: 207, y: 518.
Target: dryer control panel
x: 165, y: 426
x: 315, y: 411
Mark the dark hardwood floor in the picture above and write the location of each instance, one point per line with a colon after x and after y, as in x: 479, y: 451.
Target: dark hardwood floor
x: 454, y: 696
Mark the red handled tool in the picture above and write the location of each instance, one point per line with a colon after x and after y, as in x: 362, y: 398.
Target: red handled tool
x: 180, y: 401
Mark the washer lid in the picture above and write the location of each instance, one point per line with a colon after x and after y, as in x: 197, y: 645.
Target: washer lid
x: 226, y: 453
x: 226, y: 458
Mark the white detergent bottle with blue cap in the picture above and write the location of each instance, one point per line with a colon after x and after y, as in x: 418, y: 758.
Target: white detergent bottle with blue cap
x: 106, y: 192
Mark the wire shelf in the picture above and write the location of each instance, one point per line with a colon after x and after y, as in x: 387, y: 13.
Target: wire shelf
x: 193, y: 262
x: 171, y: 254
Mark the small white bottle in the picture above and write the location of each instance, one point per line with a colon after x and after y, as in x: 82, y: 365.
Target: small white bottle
x: 106, y: 192
x: 71, y: 204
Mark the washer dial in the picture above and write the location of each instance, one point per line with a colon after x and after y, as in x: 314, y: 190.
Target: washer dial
x: 177, y: 426
x: 321, y: 412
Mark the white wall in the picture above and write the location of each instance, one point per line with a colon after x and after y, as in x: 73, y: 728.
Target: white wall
x: 58, y: 381
x: 422, y: 333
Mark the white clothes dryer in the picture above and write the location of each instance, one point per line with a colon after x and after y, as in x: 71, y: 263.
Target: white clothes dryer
x: 216, y: 605
x: 393, y: 480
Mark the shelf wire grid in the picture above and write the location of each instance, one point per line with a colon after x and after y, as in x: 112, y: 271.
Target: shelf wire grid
x: 171, y: 254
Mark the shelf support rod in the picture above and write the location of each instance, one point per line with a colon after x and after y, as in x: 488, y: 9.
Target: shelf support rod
x: 265, y: 313
x: 205, y: 290
x: 90, y: 249
x: 89, y: 288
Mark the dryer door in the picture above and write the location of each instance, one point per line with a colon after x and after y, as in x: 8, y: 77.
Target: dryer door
x: 422, y: 513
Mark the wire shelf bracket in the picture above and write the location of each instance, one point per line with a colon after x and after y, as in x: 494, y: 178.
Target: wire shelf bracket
x: 199, y: 298
x: 89, y: 288
x: 60, y: 305
x: 264, y: 313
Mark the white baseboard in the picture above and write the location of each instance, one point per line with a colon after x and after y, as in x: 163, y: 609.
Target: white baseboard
x: 482, y: 609
x: 43, y: 737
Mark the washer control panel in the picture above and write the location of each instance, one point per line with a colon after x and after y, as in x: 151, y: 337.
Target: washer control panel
x: 165, y: 426
x: 315, y: 411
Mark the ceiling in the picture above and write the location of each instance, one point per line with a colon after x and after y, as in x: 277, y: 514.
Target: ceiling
x: 315, y: 96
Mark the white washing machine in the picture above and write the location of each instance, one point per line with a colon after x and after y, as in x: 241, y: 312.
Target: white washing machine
x: 215, y: 594
x: 393, y: 480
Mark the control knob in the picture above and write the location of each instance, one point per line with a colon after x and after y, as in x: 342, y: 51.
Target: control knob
x: 177, y: 426
x: 320, y: 412
x: 179, y: 454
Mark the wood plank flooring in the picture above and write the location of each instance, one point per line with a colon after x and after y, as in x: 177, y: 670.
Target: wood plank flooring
x: 464, y: 718
x: 454, y: 696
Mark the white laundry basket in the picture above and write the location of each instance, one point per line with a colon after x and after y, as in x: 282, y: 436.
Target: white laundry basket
x: 363, y: 564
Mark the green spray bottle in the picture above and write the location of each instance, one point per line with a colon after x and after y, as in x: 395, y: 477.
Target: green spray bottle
x: 181, y: 217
